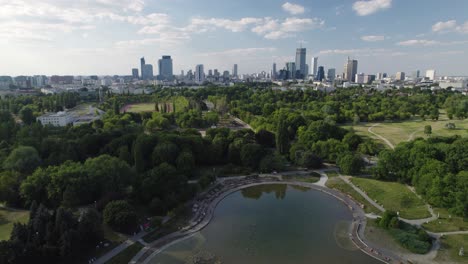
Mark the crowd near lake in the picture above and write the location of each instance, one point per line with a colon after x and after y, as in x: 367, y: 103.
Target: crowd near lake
x: 272, y: 224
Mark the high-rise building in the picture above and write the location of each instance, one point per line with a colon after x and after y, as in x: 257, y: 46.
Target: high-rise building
x: 320, y: 74
x: 142, y: 67
x: 291, y: 69
x: 199, y: 74
x: 359, y: 78
x: 381, y: 76
x: 165, y: 69
x: 431, y: 74
x: 350, y: 70
x: 314, y: 66
x: 400, y: 76
x: 148, y: 72
x: 368, y: 79
x: 135, y: 73
x: 416, y: 74
x: 234, y: 71
x: 331, y: 74
x: 274, y: 73
x: 301, y: 61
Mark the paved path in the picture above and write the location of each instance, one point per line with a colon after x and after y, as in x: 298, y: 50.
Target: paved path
x: 380, y: 137
x: 323, y: 178
x: 420, y: 222
x: 362, y: 193
x: 121, y: 247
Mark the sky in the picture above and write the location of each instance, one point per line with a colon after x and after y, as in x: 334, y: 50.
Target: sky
x: 106, y: 37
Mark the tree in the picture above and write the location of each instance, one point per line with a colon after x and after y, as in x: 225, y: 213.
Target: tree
x: 9, y: 187
x: 120, y: 215
x: 428, y: 130
x: 265, y: 138
x: 450, y: 126
x: 251, y: 155
x: 23, y: 159
x: 185, y: 163
x: 272, y: 162
x: 350, y: 164
x: 310, y: 160
x: 282, y: 136
x: 26, y: 114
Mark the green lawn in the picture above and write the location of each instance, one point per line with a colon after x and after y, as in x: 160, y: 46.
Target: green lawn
x: 394, y: 196
x: 446, y: 223
x: 310, y: 178
x: 139, y: 108
x: 332, y: 173
x: 448, y: 253
x: 340, y: 185
x: 7, y: 218
x: 397, y: 132
x: 125, y: 256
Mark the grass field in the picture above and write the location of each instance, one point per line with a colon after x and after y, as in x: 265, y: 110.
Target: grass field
x: 139, y: 108
x: 8, y: 218
x: 394, y: 196
x: 447, y: 222
x: 340, y: 185
x: 448, y: 252
x: 125, y: 256
x: 397, y: 132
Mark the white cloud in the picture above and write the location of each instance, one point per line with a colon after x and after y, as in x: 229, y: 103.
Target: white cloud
x: 238, y: 52
x: 275, y: 29
x: 425, y: 42
x: 450, y: 26
x: 201, y: 24
x: 293, y: 9
x: 373, y: 38
x: 368, y: 7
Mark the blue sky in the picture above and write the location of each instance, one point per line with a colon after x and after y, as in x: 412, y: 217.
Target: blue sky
x: 109, y: 36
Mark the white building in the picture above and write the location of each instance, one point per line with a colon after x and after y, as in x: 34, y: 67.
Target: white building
x: 314, y: 66
x: 199, y: 74
x: 360, y: 78
x: 431, y: 74
x: 457, y: 85
x: 56, y: 119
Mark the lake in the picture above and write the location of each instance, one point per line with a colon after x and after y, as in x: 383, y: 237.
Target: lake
x: 272, y: 224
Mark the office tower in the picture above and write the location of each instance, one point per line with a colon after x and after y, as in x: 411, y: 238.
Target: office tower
x: 400, y: 76
x: 320, y: 74
x: 359, y: 78
x: 431, y: 74
x: 274, y: 73
x: 368, y: 79
x: 135, y: 73
x: 148, y: 72
x: 226, y: 75
x: 291, y: 69
x: 350, y: 70
x: 416, y: 74
x: 142, y: 67
x: 331, y: 74
x: 200, y: 74
x: 301, y: 61
x: 306, y: 70
x: 314, y: 65
x: 165, y: 69
x: 234, y: 71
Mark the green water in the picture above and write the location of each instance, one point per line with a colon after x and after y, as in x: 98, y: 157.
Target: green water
x: 272, y: 224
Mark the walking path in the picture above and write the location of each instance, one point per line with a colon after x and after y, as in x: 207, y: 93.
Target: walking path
x: 380, y: 137
x: 121, y: 247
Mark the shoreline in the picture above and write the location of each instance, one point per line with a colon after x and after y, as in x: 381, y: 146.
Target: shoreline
x: 356, y: 234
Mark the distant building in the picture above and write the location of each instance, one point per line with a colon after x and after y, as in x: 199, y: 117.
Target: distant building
x: 234, y: 71
x: 148, y: 72
x: 291, y: 70
x: 301, y: 61
x: 314, y: 64
x: 416, y: 74
x: 359, y: 78
x: 331, y: 74
x: 135, y: 74
x: 56, y: 119
x: 350, y: 70
x: 165, y: 69
x: 381, y: 76
x: 400, y: 76
x: 274, y: 73
x: 199, y: 74
x: 320, y: 74
x: 431, y: 75
x: 61, y: 79
x: 368, y: 79
x: 142, y: 67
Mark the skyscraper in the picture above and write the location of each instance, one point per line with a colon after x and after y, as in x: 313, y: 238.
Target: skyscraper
x: 142, y: 67
x: 350, y: 70
x: 314, y: 65
x: 431, y: 74
x: 400, y: 76
x: 148, y: 72
x: 320, y: 74
x: 291, y: 69
x: 331, y: 74
x: 199, y: 74
x: 165, y: 69
x: 234, y: 71
x: 274, y: 73
x: 416, y: 74
x: 301, y: 61
x: 135, y: 73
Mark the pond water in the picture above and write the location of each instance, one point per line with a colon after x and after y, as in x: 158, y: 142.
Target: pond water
x: 271, y: 224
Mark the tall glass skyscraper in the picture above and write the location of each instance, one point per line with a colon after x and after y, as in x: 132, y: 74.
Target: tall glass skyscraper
x: 301, y: 54
x: 165, y: 69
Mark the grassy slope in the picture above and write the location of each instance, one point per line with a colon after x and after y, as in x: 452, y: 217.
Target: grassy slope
x: 139, y: 108
x: 394, y: 196
x: 125, y: 256
x: 450, y: 249
x: 446, y: 223
x: 7, y: 218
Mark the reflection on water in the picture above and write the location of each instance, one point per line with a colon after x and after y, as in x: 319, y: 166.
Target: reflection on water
x: 264, y: 225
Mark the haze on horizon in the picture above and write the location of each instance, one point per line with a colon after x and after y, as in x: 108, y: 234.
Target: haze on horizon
x: 105, y: 37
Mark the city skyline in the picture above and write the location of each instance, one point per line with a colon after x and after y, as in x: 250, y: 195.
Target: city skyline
x: 104, y: 37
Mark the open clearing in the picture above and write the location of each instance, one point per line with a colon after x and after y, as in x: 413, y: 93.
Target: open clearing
x: 7, y: 218
x: 447, y: 222
x: 450, y: 248
x: 394, y: 196
x: 397, y: 132
x: 139, y: 108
